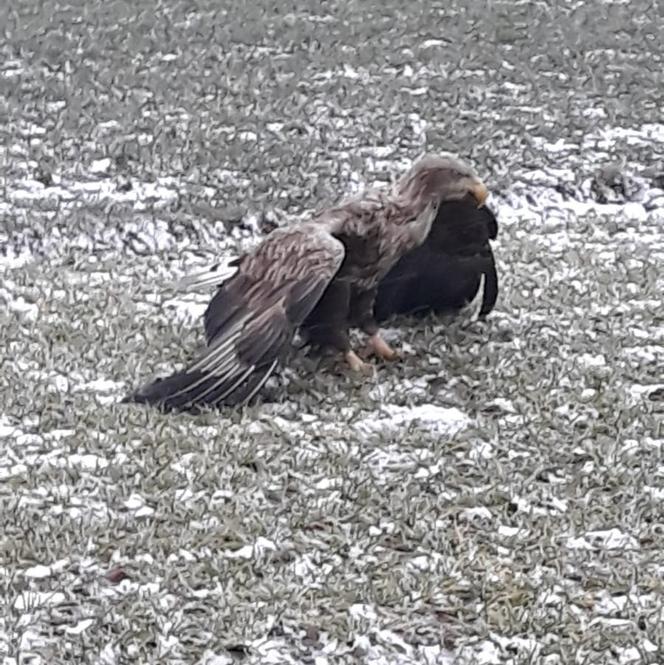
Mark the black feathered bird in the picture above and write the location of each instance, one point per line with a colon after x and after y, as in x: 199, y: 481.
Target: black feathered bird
x: 252, y: 319
x: 443, y: 274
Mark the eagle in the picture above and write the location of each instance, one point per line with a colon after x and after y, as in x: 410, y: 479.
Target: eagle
x: 444, y: 273
x: 321, y: 275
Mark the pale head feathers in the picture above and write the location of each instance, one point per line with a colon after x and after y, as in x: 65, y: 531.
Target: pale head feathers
x: 438, y: 178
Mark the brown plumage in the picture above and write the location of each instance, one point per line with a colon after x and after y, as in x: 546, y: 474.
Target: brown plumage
x: 321, y: 276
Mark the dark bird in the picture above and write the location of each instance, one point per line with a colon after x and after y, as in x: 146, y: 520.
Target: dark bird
x: 324, y: 272
x: 443, y: 274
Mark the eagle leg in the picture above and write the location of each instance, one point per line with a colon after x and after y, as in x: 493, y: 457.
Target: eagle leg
x: 362, y: 313
x: 327, y: 325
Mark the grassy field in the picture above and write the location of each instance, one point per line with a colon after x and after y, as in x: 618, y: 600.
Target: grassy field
x: 495, y: 497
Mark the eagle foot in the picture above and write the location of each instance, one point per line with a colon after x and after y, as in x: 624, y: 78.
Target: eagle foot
x: 381, y: 348
x: 358, y: 365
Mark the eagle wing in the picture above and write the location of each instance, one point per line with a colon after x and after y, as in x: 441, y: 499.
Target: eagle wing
x: 444, y: 273
x: 251, y: 321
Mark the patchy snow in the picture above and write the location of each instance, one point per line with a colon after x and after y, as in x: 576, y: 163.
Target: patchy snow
x: 552, y: 506
x: 609, y: 539
x: 479, y: 513
x: 252, y: 551
x: 11, y: 68
x: 8, y: 471
x: 41, y: 571
x: 211, y: 658
x: 310, y: 571
x: 28, y: 310
x: 31, y: 600
x: 190, y: 310
x: 159, y: 193
x: 13, y: 260
x: 7, y: 429
x: 438, y: 419
x: 640, y: 391
x: 136, y: 504
x: 80, y: 627
x: 87, y: 462
x: 634, y: 655
x: 589, y: 361
x: 100, y: 166
x: 645, y: 135
x: 101, y: 386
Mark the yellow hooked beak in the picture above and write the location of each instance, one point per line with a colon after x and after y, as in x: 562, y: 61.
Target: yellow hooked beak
x: 479, y: 190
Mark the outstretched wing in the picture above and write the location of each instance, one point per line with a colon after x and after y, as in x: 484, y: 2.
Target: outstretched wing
x: 214, y: 276
x: 251, y: 321
x: 444, y: 273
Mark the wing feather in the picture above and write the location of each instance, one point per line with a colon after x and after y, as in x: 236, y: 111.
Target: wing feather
x: 251, y: 320
x: 214, y: 276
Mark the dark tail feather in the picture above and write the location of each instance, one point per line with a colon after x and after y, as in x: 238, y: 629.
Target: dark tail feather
x: 191, y: 391
x: 168, y: 393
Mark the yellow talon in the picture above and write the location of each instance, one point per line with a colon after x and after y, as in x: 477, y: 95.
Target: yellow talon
x: 381, y: 348
x: 357, y: 364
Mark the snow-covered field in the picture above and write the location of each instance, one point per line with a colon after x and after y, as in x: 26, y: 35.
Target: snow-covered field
x: 495, y: 497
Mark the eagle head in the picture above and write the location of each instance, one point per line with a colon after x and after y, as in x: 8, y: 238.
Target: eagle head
x: 438, y: 178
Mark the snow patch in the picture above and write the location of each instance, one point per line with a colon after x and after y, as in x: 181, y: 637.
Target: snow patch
x: 100, y: 166
x: 101, y: 386
x: 446, y: 421
x: 609, y: 539
x: 40, y: 571
x: 137, y: 505
x: 261, y: 546
x: 31, y: 600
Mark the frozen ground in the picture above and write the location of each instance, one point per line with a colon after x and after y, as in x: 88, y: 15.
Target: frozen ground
x: 496, y: 497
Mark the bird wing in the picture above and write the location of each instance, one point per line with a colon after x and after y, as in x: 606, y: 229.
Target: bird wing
x: 216, y: 275
x: 251, y: 321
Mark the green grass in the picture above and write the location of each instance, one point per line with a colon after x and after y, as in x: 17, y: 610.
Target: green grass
x: 302, y: 527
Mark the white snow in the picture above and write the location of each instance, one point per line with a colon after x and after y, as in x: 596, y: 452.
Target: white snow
x: 608, y: 539
x: 80, y: 627
x: 137, y: 505
x: 6, y: 429
x: 159, y: 193
x: 211, y: 658
x: 190, y: 310
x: 640, y: 391
x: 441, y: 420
x: 30, y: 600
x: 101, y: 386
x: 28, y: 310
x: 100, y: 166
x: 256, y: 549
x: 88, y: 461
